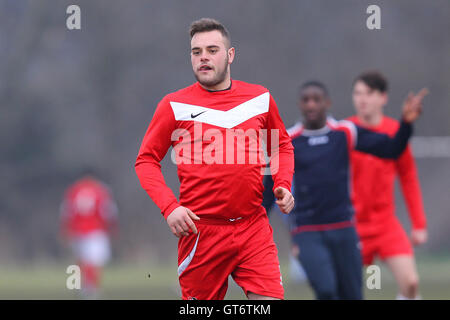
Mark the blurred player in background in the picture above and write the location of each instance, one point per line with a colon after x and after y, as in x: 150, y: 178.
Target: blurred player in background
x: 322, y: 220
x: 373, y: 183
x: 231, y: 234
x: 88, y: 218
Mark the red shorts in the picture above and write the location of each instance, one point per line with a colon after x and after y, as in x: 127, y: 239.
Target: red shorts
x: 243, y: 248
x: 392, y: 240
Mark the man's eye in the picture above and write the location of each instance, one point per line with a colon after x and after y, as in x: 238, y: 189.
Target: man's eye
x: 213, y: 50
x: 195, y: 53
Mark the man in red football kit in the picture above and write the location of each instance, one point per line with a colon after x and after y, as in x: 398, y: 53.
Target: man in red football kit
x: 88, y: 217
x: 220, y: 190
x: 373, y: 178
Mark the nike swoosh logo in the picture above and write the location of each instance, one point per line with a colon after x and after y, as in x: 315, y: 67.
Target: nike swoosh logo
x: 194, y: 116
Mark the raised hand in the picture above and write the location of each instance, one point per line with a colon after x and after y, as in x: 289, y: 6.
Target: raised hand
x: 412, y: 107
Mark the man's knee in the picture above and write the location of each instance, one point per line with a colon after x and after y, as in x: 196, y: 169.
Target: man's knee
x: 411, y: 285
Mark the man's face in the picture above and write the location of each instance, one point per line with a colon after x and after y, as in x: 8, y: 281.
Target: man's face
x: 368, y: 101
x: 314, y: 105
x: 210, y: 57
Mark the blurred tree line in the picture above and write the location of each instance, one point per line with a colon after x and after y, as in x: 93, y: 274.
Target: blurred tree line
x: 85, y: 97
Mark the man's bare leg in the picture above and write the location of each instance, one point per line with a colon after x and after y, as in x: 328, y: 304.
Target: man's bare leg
x: 403, y: 267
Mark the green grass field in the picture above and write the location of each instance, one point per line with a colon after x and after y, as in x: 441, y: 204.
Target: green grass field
x: 160, y: 282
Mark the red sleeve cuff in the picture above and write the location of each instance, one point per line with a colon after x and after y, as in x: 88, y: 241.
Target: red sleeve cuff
x: 283, y: 185
x: 422, y: 226
x: 169, y: 209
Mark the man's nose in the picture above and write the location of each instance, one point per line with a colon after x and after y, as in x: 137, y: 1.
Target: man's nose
x: 204, y: 56
x: 310, y: 105
x: 363, y: 100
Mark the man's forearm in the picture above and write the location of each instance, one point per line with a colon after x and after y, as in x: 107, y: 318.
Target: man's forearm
x: 283, y: 171
x: 383, y: 146
x: 152, y: 180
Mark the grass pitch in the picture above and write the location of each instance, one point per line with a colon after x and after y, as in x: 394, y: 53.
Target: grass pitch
x: 160, y: 282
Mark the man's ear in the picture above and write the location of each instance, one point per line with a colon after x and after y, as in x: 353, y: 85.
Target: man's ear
x: 231, y: 52
x: 327, y: 103
x: 385, y: 99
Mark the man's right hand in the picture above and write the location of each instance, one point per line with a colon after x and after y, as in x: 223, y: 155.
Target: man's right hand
x: 419, y: 236
x: 180, y: 221
x: 412, y: 107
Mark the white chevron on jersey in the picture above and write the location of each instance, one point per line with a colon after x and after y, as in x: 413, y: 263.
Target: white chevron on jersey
x: 295, y: 129
x: 224, y: 119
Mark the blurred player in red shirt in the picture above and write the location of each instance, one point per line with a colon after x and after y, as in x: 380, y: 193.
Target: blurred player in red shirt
x: 88, y: 217
x: 379, y: 229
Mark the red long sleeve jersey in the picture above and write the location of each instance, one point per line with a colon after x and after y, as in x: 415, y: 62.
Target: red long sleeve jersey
x: 373, y: 185
x: 87, y: 206
x: 218, y: 175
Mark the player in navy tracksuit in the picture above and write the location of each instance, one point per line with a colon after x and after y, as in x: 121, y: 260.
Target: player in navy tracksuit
x: 321, y: 222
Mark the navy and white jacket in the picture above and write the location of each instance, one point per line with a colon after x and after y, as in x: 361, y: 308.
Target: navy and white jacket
x: 322, y: 179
